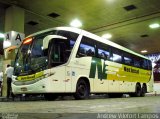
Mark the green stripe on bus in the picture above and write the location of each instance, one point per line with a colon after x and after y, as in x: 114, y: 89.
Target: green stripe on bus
x: 97, y: 64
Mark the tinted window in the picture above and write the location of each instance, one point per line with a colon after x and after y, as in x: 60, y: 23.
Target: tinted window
x: 60, y: 49
x: 103, y: 51
x: 72, y: 37
x: 149, y: 65
x: 86, y: 48
x: 103, y: 54
x: 37, y: 49
x: 116, y: 55
x: 127, y: 58
x: 144, y: 64
x: 137, y: 62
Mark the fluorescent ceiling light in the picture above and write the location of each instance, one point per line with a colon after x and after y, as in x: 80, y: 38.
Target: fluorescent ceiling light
x: 144, y: 51
x: 153, y: 26
x: 2, y: 35
x: 110, y: 1
x: 107, y: 36
x: 76, y: 23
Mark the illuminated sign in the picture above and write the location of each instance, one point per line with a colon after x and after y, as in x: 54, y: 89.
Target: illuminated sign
x: 12, y: 38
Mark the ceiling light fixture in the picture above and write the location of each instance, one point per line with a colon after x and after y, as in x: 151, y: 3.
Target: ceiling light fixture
x: 76, y: 23
x: 107, y: 36
x: 144, y: 51
x: 32, y: 23
x: 130, y: 7
x: 155, y: 25
x: 111, y: 1
x: 2, y: 35
x: 144, y: 35
x: 53, y: 15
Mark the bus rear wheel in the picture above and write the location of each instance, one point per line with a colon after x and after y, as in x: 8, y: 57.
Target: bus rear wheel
x: 82, y: 90
x: 143, y: 90
x: 137, y: 92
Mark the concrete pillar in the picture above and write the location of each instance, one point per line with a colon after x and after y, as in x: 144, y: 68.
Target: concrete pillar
x: 14, y: 21
x: 2, y: 13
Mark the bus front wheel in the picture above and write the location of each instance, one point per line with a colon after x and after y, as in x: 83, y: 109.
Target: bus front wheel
x: 82, y: 90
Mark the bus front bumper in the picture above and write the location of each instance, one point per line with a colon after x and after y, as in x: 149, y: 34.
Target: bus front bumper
x: 38, y: 87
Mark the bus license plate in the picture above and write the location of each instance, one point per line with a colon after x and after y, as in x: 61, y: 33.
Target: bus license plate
x: 24, y: 89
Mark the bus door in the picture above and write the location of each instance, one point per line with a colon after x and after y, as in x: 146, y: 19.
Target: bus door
x: 57, y: 57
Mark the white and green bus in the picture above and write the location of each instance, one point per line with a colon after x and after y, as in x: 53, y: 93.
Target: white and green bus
x: 66, y: 60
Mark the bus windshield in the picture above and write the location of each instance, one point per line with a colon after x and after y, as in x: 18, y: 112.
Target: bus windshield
x: 32, y: 58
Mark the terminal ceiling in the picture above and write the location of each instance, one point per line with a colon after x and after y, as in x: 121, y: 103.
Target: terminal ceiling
x: 127, y: 20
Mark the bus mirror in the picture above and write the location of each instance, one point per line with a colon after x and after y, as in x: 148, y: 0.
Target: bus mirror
x: 50, y: 37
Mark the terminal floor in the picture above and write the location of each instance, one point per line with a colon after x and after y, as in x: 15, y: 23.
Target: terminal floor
x: 148, y: 104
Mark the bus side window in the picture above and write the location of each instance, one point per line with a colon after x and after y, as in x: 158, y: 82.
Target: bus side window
x: 86, y: 48
x: 127, y: 58
x: 144, y: 64
x: 149, y: 64
x: 116, y: 55
x: 90, y: 52
x: 103, y: 51
x: 103, y: 54
x: 137, y: 62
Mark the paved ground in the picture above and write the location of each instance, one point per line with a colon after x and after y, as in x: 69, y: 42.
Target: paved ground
x: 41, y: 109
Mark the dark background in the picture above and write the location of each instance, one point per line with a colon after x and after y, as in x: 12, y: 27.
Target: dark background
x: 156, y: 69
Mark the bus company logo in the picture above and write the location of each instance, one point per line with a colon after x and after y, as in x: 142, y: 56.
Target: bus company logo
x: 131, y: 70
x: 23, y: 78
x: 28, y: 77
x: 96, y: 63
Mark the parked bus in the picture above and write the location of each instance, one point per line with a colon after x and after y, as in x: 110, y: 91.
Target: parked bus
x: 66, y: 60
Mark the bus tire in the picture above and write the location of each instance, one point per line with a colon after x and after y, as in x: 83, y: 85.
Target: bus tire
x: 50, y: 96
x: 82, y: 90
x: 137, y: 92
x: 143, y: 90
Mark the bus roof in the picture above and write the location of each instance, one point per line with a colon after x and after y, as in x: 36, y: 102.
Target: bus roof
x: 106, y: 41
x: 93, y: 36
x: 73, y: 29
